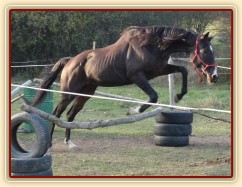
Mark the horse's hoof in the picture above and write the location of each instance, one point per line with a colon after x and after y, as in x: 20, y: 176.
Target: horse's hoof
x: 176, y: 99
x: 70, y: 144
x: 134, y: 110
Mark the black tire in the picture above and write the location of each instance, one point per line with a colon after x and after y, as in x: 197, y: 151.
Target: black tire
x: 162, y: 129
x: 42, y: 136
x: 48, y: 172
x: 29, y: 165
x: 172, y: 141
x: 175, y: 117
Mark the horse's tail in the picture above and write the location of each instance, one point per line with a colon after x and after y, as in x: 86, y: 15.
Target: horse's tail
x: 49, y: 79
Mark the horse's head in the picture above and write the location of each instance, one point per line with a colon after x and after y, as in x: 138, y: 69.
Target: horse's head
x: 203, y: 58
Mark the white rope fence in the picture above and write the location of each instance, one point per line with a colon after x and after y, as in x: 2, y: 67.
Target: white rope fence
x: 44, y: 65
x: 28, y: 66
x: 222, y: 67
x: 125, y: 100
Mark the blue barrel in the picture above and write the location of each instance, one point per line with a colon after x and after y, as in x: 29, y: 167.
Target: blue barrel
x: 45, y: 105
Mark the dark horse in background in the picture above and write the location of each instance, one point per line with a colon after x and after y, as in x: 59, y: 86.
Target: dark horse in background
x: 140, y: 54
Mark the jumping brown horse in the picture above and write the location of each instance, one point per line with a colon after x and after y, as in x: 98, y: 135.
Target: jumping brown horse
x: 140, y: 54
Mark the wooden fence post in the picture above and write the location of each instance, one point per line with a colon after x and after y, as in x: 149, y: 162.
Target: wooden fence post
x: 171, y: 84
x: 94, y: 45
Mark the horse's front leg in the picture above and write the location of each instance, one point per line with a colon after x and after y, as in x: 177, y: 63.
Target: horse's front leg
x: 140, y: 80
x: 181, y: 69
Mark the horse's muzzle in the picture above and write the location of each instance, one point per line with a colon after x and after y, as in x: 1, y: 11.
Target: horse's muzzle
x: 212, y: 78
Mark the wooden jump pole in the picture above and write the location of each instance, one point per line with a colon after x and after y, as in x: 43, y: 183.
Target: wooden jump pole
x: 17, y: 98
x: 93, y: 124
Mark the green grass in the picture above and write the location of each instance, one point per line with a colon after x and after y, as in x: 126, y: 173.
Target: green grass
x: 129, y: 149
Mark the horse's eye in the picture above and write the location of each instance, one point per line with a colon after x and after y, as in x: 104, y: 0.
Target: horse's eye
x: 203, y: 51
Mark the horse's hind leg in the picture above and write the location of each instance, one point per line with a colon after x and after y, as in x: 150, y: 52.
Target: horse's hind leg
x: 60, y: 108
x: 78, y: 104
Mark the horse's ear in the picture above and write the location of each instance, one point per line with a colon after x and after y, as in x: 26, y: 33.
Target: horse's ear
x: 205, y: 36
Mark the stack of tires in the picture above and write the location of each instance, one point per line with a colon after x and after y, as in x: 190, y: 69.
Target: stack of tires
x: 36, y: 161
x: 173, y: 128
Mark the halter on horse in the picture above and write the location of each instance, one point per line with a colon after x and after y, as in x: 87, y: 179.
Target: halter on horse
x: 197, y: 55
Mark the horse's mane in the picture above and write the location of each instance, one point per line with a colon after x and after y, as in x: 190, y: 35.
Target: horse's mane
x: 163, y: 36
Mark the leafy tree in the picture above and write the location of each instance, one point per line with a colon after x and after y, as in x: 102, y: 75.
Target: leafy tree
x: 54, y: 34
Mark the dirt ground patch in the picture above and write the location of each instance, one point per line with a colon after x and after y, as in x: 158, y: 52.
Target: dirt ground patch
x: 92, y: 146
x: 128, y: 156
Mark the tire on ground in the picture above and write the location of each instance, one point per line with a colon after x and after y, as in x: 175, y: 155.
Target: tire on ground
x: 175, y: 117
x: 48, y: 172
x: 29, y: 165
x: 172, y: 141
x: 42, y: 136
x: 162, y: 129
